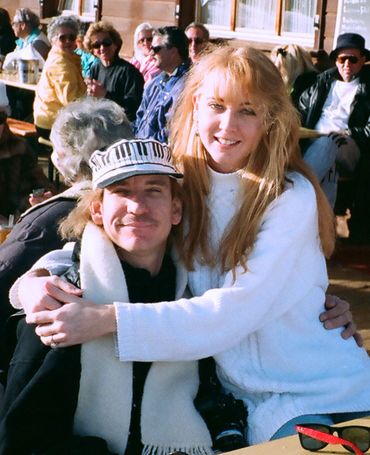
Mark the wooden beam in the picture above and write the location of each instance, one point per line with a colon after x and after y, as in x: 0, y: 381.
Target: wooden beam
x: 279, y: 17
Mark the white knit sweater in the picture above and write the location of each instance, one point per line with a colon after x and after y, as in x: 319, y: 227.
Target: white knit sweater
x: 263, y: 329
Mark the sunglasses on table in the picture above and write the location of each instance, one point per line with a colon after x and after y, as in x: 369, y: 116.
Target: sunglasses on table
x: 354, y: 438
x: 64, y: 37
x: 351, y: 58
x: 105, y: 43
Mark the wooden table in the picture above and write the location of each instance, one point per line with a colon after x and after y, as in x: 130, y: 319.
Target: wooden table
x: 291, y: 445
x: 13, y: 81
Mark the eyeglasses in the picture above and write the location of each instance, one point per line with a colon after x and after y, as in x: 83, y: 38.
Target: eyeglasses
x: 157, y: 49
x: 106, y: 42
x: 354, y: 438
x: 142, y: 40
x: 351, y: 58
x: 64, y: 37
x: 196, y: 40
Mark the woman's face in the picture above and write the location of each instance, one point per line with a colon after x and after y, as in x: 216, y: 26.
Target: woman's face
x: 103, y: 47
x: 65, y: 40
x: 144, y: 41
x: 230, y: 125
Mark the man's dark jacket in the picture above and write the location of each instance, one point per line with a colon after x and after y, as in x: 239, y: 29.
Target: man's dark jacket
x: 33, y: 236
x: 312, y: 101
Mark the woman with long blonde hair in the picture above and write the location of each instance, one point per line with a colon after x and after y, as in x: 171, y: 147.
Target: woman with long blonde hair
x: 257, y: 232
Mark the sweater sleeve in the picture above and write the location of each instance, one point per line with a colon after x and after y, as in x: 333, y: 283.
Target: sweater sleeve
x: 56, y: 262
x: 280, y: 273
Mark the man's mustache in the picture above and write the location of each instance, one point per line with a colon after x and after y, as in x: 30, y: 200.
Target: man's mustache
x: 132, y: 219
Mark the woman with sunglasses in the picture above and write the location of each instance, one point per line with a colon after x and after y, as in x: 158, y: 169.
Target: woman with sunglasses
x: 61, y: 79
x: 142, y: 59
x: 112, y: 77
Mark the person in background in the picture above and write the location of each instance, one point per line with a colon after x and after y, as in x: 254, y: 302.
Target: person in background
x: 296, y: 68
x: 61, y: 79
x: 251, y: 205
x: 142, y: 59
x: 7, y: 36
x: 87, y: 58
x: 198, y: 36
x: 19, y: 172
x: 79, y: 129
x: 111, y: 76
x: 26, y: 26
x: 170, y: 52
x: 337, y: 107
x: 32, y: 41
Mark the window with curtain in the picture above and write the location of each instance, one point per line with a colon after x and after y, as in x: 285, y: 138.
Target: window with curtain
x: 216, y: 12
x: 256, y: 14
x: 298, y: 16
x: 84, y: 7
x: 270, y: 18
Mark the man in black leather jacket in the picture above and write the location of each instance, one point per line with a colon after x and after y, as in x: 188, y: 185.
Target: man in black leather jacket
x: 338, y: 106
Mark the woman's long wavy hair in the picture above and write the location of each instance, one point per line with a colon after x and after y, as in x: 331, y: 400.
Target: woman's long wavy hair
x: 246, y: 73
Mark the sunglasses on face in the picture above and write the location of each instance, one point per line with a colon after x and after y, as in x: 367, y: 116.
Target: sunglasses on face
x: 196, y: 40
x: 64, y: 37
x: 157, y: 49
x: 351, y: 58
x: 354, y: 438
x: 142, y: 40
x: 105, y: 43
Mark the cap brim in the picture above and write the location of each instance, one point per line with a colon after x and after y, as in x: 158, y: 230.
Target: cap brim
x: 116, y: 175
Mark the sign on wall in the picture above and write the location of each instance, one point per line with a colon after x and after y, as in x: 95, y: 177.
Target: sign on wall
x: 354, y: 17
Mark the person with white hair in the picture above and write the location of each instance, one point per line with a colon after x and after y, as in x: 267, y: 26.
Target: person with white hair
x: 142, y: 58
x: 26, y: 26
x: 61, y: 79
x: 79, y: 129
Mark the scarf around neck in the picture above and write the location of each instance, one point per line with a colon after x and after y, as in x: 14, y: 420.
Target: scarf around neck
x: 169, y: 420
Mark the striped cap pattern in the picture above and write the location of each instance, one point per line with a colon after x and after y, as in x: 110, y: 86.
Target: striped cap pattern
x: 127, y: 158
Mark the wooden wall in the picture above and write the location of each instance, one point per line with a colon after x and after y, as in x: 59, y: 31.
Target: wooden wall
x: 126, y: 15
x: 331, y: 17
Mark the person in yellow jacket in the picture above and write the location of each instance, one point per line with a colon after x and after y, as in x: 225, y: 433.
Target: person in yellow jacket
x: 61, y: 79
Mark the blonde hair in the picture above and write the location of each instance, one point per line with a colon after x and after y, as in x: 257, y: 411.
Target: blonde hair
x: 244, y: 71
x: 291, y: 60
x: 73, y: 225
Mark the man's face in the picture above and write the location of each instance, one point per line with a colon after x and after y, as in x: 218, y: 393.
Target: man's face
x: 19, y: 28
x: 349, y: 63
x: 137, y: 214
x: 166, y: 59
x: 197, y: 42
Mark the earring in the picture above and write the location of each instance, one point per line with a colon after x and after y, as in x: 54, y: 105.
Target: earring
x: 195, y: 123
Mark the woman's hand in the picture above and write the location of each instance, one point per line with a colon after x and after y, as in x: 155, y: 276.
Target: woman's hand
x: 96, y: 88
x: 338, y: 314
x: 38, y: 291
x: 36, y: 199
x: 74, y: 323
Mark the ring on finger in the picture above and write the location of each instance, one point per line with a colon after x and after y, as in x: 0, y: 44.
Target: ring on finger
x: 53, y: 343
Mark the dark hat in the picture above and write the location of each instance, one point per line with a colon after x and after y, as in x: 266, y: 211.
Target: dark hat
x: 127, y: 158
x: 350, y: 40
